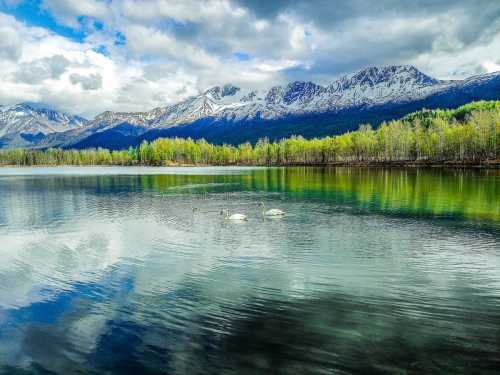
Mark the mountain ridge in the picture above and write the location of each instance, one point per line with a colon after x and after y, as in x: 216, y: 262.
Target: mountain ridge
x: 22, y: 123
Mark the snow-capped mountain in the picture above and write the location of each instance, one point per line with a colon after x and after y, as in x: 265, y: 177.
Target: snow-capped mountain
x: 22, y: 123
x: 29, y: 118
x: 368, y: 87
x: 233, y: 114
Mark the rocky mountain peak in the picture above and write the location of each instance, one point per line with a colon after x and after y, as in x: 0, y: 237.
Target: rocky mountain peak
x: 392, y: 75
x: 275, y: 95
x: 229, y: 90
x: 218, y: 92
x: 302, y: 92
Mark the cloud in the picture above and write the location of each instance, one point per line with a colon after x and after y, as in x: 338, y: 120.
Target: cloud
x: 135, y: 55
x: 144, y: 40
x: 9, y: 44
x: 10, y: 40
x: 352, y: 34
x: 67, y: 12
x: 90, y: 82
x: 39, y: 70
x: 490, y: 66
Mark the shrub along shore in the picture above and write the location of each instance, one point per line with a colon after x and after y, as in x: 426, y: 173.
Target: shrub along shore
x: 466, y: 136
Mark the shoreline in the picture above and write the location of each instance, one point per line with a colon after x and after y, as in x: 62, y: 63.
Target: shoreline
x: 491, y: 164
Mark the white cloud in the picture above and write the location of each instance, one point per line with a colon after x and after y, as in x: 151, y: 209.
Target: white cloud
x: 457, y: 64
x: 70, y: 76
x: 491, y: 67
x: 181, y: 11
x: 68, y: 11
x: 148, y: 40
x: 11, y: 42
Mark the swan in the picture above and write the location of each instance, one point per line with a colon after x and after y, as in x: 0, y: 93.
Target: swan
x: 233, y: 217
x: 275, y: 212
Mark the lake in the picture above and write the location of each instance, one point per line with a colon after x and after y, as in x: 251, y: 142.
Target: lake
x: 109, y: 270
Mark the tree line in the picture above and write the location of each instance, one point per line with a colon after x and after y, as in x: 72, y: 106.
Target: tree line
x: 470, y: 133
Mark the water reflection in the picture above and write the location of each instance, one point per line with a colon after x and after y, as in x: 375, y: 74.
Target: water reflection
x: 371, y: 271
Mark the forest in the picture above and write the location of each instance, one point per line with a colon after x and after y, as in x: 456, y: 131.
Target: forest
x: 468, y: 134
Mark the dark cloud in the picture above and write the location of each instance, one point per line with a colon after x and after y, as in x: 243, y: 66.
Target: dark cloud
x: 469, y: 21
x: 267, y: 9
x: 344, y: 35
x: 329, y: 13
x: 90, y: 82
x: 39, y: 70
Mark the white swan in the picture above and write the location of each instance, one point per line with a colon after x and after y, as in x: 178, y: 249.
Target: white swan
x: 274, y: 212
x: 233, y: 217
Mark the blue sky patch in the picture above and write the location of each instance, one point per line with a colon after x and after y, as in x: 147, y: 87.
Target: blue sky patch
x: 102, y: 50
x: 31, y: 13
x: 120, y: 39
x: 241, y: 56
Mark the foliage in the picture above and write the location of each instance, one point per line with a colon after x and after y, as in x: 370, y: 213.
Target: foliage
x: 470, y: 133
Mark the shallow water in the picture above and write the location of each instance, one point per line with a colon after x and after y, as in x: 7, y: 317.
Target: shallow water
x: 108, y: 270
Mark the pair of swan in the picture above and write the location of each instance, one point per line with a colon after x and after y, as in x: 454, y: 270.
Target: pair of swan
x: 274, y: 212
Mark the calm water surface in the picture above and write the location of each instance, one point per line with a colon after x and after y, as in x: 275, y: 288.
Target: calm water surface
x: 108, y: 271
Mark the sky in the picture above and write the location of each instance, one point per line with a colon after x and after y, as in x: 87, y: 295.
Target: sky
x: 87, y: 56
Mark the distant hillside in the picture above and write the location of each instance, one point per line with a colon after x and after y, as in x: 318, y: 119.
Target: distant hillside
x: 458, y: 114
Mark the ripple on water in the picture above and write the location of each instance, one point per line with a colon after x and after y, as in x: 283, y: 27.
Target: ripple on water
x: 116, y: 274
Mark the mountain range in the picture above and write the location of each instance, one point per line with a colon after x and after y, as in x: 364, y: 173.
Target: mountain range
x: 26, y: 124
x: 230, y: 114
